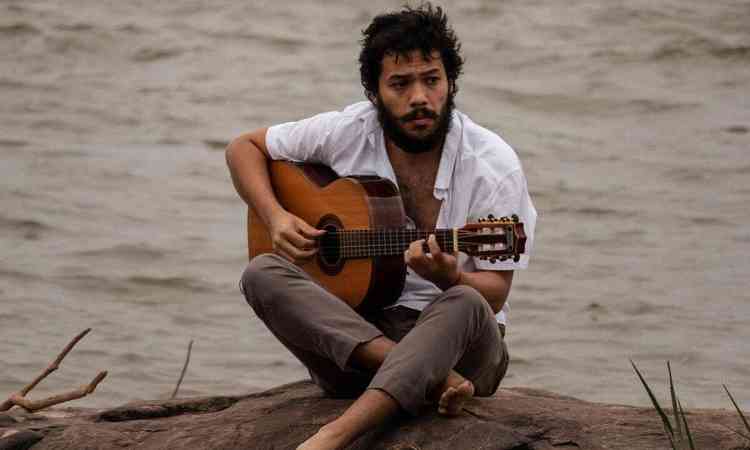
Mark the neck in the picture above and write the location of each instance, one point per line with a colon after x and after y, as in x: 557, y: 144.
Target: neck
x: 396, y: 153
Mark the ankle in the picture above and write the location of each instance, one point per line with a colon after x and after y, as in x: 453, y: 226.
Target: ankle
x: 453, y: 380
x: 333, y: 433
x: 370, y: 355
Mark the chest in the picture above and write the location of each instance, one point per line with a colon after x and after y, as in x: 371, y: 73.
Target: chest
x: 416, y: 188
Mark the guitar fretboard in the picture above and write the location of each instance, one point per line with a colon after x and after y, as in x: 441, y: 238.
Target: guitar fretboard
x: 381, y: 242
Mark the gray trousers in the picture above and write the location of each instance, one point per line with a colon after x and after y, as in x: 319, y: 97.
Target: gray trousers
x: 457, y: 330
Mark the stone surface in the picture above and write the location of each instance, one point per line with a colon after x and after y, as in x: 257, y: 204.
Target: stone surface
x: 19, y: 439
x: 517, y: 419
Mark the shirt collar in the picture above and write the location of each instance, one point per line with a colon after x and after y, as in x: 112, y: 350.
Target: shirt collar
x: 450, y: 153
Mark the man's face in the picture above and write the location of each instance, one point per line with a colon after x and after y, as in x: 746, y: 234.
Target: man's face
x: 414, y: 101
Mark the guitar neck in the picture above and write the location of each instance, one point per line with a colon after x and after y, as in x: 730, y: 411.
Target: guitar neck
x: 384, y: 242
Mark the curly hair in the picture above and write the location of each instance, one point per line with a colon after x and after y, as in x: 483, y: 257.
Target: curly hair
x: 424, y: 28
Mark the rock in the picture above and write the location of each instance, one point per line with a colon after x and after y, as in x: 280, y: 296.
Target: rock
x: 6, y: 420
x: 19, y: 440
x: 281, y: 418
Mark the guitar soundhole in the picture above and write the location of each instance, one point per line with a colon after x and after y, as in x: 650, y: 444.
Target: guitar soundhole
x: 329, y: 255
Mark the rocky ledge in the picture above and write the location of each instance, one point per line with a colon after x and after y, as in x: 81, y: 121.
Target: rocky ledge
x: 281, y: 418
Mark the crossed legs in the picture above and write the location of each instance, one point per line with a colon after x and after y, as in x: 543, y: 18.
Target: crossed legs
x: 343, y: 351
x: 375, y: 406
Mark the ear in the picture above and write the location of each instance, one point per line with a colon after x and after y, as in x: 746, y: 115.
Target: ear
x: 372, y: 97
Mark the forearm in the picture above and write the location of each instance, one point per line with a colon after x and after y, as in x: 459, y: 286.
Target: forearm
x: 493, y: 285
x: 248, y: 165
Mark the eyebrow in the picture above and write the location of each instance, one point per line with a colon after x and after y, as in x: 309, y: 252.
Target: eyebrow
x: 411, y: 75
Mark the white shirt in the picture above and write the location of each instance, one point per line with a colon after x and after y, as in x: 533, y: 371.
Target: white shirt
x: 479, y: 174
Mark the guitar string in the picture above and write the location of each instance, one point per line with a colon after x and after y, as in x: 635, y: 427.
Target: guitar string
x: 397, y: 235
x: 387, y: 233
x: 349, y: 253
x: 381, y: 240
x: 384, y: 242
x: 391, y: 239
x: 471, y: 250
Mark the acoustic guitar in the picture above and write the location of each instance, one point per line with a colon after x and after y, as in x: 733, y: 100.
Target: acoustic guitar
x: 360, y: 258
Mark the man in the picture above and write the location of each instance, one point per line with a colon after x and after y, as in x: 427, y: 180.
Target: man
x: 442, y: 341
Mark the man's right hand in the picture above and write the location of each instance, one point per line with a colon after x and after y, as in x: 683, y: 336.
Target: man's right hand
x: 293, y: 238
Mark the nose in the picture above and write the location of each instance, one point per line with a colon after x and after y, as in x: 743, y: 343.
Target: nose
x: 418, y: 96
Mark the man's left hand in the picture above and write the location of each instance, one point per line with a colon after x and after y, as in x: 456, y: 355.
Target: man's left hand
x: 439, y: 267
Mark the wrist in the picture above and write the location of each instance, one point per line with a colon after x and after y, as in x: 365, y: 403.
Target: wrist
x: 455, y: 282
x: 275, y: 215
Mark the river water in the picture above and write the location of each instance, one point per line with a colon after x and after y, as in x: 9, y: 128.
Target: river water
x: 632, y: 120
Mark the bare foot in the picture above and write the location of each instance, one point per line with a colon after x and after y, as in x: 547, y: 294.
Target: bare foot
x: 454, y: 397
x: 324, y: 439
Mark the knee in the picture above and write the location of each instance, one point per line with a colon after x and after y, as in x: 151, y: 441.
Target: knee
x: 260, y: 274
x: 468, y: 302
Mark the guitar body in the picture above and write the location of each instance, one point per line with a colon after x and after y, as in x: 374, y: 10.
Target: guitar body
x: 315, y: 194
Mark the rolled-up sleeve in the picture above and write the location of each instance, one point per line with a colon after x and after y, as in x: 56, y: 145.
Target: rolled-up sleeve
x: 510, y: 197
x: 306, y: 140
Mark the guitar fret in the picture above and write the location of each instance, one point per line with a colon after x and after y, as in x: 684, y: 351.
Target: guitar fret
x: 387, y: 242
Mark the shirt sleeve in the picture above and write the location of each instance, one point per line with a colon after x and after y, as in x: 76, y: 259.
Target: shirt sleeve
x: 510, y: 197
x: 307, y: 140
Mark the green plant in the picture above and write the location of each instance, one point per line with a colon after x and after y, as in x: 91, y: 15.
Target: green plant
x: 742, y: 416
x: 678, y: 434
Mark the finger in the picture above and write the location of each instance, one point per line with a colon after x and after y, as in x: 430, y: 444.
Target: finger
x: 418, y: 259
x: 416, y: 263
x: 432, y: 244
x: 303, y: 257
x: 293, y: 253
x: 306, y: 230
x: 299, y: 241
x: 280, y: 251
x: 416, y: 249
x: 437, y: 254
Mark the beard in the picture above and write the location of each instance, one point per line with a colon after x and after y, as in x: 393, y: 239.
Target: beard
x: 393, y: 126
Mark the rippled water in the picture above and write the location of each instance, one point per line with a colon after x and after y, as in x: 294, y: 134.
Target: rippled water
x: 117, y: 213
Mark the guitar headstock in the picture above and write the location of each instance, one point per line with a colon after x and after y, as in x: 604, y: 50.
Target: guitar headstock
x: 493, y: 239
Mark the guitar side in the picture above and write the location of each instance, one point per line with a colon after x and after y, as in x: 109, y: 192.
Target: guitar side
x: 316, y: 195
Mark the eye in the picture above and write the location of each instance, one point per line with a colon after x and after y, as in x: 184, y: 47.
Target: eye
x: 432, y: 80
x: 400, y: 84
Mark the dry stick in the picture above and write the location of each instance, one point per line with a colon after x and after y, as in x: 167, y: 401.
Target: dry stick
x: 7, y: 404
x: 56, y: 363
x: 184, y: 369
x: 35, y: 405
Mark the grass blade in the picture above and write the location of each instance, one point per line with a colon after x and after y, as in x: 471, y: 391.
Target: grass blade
x: 664, y: 418
x: 739, y: 411
x: 687, y: 429
x: 675, y: 411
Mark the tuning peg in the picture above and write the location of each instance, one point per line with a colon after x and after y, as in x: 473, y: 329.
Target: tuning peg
x: 493, y: 260
x: 481, y: 220
x: 517, y: 258
x: 514, y: 218
x: 491, y: 217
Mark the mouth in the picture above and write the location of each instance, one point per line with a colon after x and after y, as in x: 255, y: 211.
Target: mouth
x: 420, y: 119
x: 422, y: 122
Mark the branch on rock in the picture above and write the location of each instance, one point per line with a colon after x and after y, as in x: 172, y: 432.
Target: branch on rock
x: 36, y: 405
x: 19, y: 398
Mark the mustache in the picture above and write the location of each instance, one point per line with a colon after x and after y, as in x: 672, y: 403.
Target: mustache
x: 419, y: 113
